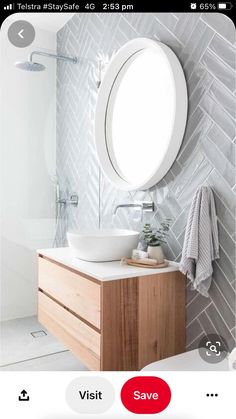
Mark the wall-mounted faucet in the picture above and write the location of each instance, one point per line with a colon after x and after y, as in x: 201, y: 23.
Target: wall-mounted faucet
x: 144, y: 206
x: 72, y: 200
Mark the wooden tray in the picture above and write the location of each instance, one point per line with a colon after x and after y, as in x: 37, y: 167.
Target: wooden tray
x: 133, y: 262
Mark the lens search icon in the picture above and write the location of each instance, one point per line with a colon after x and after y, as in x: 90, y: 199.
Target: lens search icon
x: 213, y: 348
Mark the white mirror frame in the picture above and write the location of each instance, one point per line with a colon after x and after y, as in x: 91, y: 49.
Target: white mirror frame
x: 181, y: 107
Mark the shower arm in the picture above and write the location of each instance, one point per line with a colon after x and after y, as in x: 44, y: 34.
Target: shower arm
x: 57, y: 57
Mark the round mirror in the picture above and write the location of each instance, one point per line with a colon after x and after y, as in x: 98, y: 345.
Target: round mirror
x: 141, y: 114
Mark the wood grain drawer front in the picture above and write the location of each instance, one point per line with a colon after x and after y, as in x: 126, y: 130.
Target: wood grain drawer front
x: 76, y: 335
x: 79, y: 294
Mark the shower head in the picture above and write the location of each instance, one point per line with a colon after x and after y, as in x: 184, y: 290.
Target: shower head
x: 31, y: 65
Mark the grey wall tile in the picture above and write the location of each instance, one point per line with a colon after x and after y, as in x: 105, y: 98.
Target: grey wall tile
x: 191, y: 125
x: 190, y: 294
x: 218, y: 161
x: 221, y: 24
x: 181, y: 238
x: 180, y: 222
x: 191, y: 165
x: 218, y: 115
x: 222, y: 306
x: 223, y: 49
x: 149, y: 25
x: 197, y: 305
x: 195, y: 343
x: 175, y: 168
x: 200, y: 90
x: 224, y: 286
x: 206, y: 155
x: 220, y: 325
x: 223, y: 97
x: 227, y: 147
x: 224, y: 215
x: 223, y: 190
x: 206, y: 323
x: 227, y: 243
x: 193, y: 142
x: 228, y: 269
x: 192, y: 331
x: 168, y: 252
x: 196, y: 46
x: 218, y: 69
x: 195, y: 79
x: 200, y: 175
x: 185, y: 26
x: 174, y: 244
x: 127, y: 30
x: 233, y: 331
x: 168, y: 20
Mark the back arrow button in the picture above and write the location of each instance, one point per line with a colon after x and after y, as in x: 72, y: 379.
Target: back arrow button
x: 20, y: 33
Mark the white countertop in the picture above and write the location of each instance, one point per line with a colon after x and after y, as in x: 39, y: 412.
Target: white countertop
x: 103, y: 271
x: 187, y: 361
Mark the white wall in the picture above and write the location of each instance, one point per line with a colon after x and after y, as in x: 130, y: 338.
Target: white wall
x: 28, y: 140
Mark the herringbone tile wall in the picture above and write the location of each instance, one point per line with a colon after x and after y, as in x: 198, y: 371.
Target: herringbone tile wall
x: 205, y: 45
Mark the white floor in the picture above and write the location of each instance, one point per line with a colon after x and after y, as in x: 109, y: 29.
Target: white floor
x: 62, y: 361
x: 21, y: 351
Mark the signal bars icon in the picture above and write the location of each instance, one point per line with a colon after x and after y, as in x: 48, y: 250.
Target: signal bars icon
x: 9, y: 7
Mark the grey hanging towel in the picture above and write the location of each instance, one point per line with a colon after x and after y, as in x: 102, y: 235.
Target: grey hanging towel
x: 201, y: 244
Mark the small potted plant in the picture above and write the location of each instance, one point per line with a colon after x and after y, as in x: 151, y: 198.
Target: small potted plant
x: 154, y: 237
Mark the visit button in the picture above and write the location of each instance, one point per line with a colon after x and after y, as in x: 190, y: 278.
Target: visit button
x: 145, y: 395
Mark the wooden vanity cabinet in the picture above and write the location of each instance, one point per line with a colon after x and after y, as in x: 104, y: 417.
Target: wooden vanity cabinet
x: 114, y: 325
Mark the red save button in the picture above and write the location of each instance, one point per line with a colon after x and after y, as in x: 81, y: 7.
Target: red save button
x: 145, y: 395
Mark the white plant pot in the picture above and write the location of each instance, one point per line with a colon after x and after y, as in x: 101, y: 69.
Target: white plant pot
x: 156, y: 252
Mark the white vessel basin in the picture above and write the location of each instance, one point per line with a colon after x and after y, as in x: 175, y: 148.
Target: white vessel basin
x: 102, y: 245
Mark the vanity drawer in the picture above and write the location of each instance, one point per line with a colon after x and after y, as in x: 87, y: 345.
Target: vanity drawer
x: 77, y: 336
x: 79, y: 294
